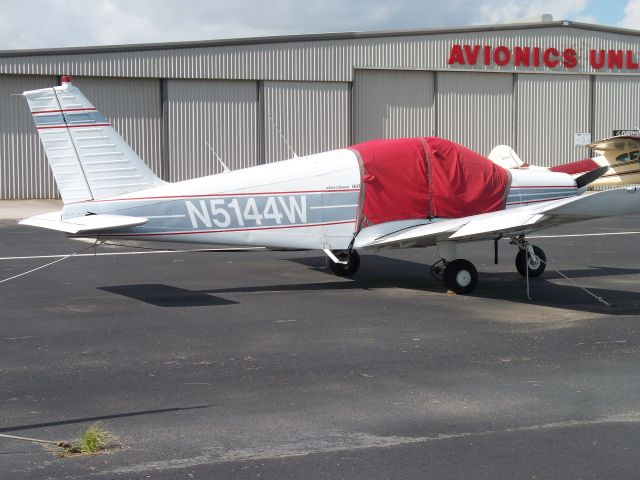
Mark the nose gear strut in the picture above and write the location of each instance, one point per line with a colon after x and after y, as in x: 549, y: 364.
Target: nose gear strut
x: 529, y: 256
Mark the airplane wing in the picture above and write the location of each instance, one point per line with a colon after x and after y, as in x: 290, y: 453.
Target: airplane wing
x: 510, y: 222
x: 621, y: 143
x: 83, y: 225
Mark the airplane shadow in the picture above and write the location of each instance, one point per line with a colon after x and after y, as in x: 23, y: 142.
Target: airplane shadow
x: 162, y: 295
x: 384, y: 272
x: 98, y: 418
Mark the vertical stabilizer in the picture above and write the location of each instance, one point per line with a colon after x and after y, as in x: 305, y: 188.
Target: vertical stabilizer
x: 88, y: 158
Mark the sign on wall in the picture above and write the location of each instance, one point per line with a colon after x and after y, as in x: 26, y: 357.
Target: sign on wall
x: 634, y: 131
x: 582, y: 139
x: 555, y: 58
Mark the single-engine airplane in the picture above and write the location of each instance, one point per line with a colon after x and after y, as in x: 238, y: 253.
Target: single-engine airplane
x: 399, y: 193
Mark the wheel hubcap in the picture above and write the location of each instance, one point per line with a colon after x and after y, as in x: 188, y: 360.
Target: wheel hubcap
x: 534, y: 262
x: 463, y: 278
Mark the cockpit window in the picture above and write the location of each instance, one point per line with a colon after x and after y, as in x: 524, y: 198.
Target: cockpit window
x: 623, y: 158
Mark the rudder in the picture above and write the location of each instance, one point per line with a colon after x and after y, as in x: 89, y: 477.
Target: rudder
x: 88, y: 158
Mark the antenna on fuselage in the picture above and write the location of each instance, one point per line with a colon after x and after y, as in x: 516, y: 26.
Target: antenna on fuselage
x: 225, y: 168
x: 295, y: 155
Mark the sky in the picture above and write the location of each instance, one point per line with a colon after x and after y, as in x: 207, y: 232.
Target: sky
x: 71, y: 23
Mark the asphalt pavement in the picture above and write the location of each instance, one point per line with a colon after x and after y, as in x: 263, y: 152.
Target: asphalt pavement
x: 260, y: 364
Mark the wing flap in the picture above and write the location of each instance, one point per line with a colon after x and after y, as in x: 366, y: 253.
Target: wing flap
x: 419, y: 235
x: 497, y: 224
x: 82, y: 225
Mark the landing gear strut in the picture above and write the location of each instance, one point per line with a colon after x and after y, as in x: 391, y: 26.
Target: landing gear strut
x: 461, y: 276
x: 437, y: 270
x: 347, y: 265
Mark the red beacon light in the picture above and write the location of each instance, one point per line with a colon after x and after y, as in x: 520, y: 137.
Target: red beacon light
x: 65, y: 79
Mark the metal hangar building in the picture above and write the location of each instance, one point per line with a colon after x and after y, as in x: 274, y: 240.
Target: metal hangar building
x: 544, y: 88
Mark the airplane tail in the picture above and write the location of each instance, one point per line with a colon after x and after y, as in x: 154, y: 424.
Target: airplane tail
x: 88, y: 158
x: 620, y: 154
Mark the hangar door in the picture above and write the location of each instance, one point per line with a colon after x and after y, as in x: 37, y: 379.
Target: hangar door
x: 222, y: 114
x: 616, y: 105
x: 132, y: 106
x: 551, y: 110
x: 392, y: 104
x: 475, y: 109
x: 311, y: 117
x: 24, y: 171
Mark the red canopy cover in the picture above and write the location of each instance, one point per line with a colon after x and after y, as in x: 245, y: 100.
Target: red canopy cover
x: 426, y: 177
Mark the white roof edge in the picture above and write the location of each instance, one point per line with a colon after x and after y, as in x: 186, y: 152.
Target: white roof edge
x: 314, y: 37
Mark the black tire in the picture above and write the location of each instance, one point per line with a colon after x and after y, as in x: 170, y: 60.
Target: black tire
x: 535, y: 268
x: 348, y: 269
x: 460, y: 276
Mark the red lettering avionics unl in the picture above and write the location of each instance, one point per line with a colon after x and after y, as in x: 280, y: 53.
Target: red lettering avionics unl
x: 552, y: 57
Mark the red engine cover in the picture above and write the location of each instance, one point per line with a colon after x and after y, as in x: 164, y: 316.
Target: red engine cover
x: 427, y: 177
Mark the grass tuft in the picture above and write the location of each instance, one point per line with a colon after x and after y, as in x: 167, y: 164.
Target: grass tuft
x: 94, y: 439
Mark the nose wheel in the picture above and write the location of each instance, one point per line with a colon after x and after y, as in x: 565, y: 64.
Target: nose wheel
x: 533, y: 258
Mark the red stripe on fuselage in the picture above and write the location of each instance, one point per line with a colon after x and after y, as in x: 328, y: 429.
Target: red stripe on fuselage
x: 207, y: 195
x: 538, y: 201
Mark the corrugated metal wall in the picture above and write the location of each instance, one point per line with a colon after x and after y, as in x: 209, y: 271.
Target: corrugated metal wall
x: 616, y: 105
x: 391, y: 104
x: 551, y: 110
x: 134, y: 107
x: 321, y: 59
x: 24, y: 171
x: 312, y: 117
x: 475, y: 110
x: 304, y: 85
x: 220, y: 113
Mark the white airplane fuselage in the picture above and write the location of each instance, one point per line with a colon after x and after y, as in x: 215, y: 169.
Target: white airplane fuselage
x: 308, y: 202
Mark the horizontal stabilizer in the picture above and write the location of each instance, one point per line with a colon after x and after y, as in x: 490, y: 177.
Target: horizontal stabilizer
x: 83, y: 225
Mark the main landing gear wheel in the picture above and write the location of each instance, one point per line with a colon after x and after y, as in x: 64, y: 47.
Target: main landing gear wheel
x: 345, y: 269
x: 537, y: 262
x: 460, y: 276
